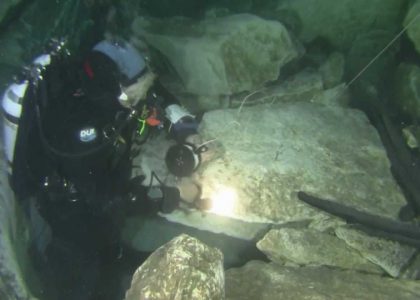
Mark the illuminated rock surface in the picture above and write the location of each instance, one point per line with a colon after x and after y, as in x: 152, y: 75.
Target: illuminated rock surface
x: 258, y: 280
x: 269, y: 152
x: 183, y: 269
x: 211, y: 60
x: 313, y: 248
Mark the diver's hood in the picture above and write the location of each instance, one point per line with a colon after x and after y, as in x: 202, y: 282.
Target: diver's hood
x: 129, y: 61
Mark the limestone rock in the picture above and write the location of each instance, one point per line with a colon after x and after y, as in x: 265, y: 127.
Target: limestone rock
x: 309, y: 247
x: 332, y: 70
x: 258, y: 280
x: 407, y: 96
x: 339, y: 22
x: 411, y: 20
x: 391, y: 256
x: 221, y: 56
x: 269, y: 152
x: 184, y: 268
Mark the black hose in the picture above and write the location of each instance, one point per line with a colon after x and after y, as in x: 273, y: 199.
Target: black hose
x: 393, y: 230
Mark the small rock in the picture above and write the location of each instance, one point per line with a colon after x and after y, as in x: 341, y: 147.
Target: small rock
x: 411, y: 135
x: 391, y: 256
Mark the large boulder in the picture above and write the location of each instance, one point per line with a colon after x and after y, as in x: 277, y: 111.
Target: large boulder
x: 267, y: 153
x: 184, y: 269
x: 258, y: 280
x: 340, y: 22
x: 220, y: 56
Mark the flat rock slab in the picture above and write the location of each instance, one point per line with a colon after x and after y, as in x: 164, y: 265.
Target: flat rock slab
x: 391, y: 256
x: 311, y: 247
x: 182, y: 269
x: 269, y: 152
x: 258, y: 280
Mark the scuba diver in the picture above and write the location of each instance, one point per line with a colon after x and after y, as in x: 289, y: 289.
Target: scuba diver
x: 70, y: 127
x: 72, y: 135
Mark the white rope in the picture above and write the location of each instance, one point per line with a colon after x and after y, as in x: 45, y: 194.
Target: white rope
x: 384, y: 49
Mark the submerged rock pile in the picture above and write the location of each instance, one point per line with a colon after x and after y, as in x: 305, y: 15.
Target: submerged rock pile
x: 275, y: 139
x: 277, y: 109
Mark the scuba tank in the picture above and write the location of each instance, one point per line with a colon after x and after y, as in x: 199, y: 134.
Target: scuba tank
x: 12, y: 110
x: 12, y: 102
